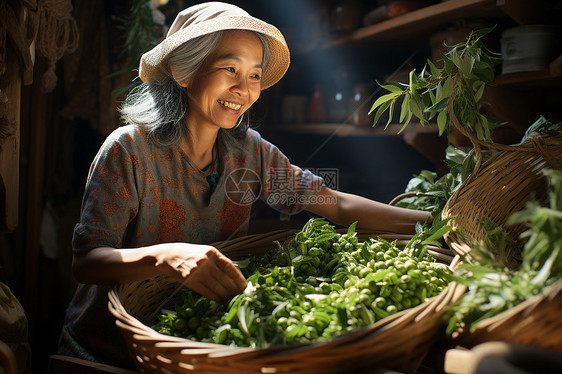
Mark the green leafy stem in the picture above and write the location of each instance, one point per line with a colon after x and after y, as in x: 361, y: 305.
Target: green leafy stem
x: 467, y: 69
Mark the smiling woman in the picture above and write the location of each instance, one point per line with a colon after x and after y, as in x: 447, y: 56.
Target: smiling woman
x: 227, y: 85
x: 184, y: 171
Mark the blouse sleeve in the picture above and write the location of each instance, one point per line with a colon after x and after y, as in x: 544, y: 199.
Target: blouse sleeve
x: 110, y: 199
x: 286, y: 187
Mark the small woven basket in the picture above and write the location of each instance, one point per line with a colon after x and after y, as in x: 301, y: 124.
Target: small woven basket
x: 400, y: 341
x: 499, y: 187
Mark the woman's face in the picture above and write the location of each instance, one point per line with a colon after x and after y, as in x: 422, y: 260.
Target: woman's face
x: 229, y: 81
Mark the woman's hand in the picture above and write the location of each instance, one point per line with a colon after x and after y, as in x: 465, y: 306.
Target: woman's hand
x: 202, y: 268
x: 369, y: 214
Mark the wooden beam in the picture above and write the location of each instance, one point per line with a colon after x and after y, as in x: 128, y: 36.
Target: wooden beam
x: 40, y: 113
x: 10, y: 93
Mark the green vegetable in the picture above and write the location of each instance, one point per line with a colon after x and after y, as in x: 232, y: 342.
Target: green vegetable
x: 332, y: 283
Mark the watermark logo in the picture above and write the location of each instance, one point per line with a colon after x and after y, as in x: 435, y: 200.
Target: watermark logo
x: 243, y: 186
x: 291, y: 199
x: 283, y: 186
x: 330, y: 176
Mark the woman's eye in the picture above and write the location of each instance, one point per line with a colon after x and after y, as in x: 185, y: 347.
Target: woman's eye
x: 231, y: 69
x: 256, y: 76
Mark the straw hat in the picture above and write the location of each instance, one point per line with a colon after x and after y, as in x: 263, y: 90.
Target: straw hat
x: 209, y: 17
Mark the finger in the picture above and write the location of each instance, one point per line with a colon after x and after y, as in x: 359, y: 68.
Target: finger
x: 221, y: 283
x: 231, y: 272
x: 212, y: 281
x: 204, y: 290
x: 194, y: 282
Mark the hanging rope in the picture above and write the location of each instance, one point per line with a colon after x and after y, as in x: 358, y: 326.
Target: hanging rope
x: 58, y: 34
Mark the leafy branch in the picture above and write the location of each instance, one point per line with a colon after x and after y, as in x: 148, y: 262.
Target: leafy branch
x: 467, y: 69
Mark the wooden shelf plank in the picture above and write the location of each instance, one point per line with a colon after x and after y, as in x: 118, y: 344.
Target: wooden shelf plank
x: 421, y: 21
x: 529, y: 79
x: 344, y: 130
x: 532, y: 79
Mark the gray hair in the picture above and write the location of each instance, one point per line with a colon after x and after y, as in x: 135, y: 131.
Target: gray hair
x: 160, y: 107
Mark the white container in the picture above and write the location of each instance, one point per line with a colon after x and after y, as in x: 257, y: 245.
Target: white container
x: 529, y: 48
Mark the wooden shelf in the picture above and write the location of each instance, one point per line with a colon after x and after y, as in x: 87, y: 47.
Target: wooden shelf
x: 530, y: 79
x: 344, y: 130
x: 424, y: 21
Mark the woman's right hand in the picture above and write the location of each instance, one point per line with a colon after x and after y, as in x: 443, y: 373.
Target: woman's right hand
x: 202, y: 268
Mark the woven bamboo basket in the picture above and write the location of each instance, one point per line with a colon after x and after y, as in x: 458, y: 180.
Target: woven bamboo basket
x: 499, y: 186
x: 400, y: 341
x: 534, y: 322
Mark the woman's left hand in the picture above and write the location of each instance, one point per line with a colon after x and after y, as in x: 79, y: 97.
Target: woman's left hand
x: 202, y: 268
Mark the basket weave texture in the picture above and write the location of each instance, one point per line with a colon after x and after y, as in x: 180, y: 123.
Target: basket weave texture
x: 500, y: 186
x: 400, y: 341
x: 534, y: 322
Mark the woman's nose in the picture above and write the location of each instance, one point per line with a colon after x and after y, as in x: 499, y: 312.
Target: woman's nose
x: 241, y: 87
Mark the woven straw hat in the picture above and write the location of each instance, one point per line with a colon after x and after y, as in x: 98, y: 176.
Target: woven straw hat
x: 210, y: 17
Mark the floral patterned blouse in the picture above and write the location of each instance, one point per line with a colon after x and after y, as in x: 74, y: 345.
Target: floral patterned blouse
x: 138, y: 194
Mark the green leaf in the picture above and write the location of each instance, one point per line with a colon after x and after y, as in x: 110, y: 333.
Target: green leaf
x: 413, y: 80
x: 404, y: 109
x: 439, y: 106
x: 380, y: 111
x: 438, y: 234
x: 435, y: 71
x: 478, y: 34
x: 479, y: 92
x: 544, y: 273
x: 405, y: 123
x: 415, y: 109
x: 428, y: 175
x: 233, y: 312
x: 392, y: 88
x: 326, y: 237
x: 467, y: 167
x: 448, y: 64
x: 447, y: 88
x: 442, y: 122
x: 456, y: 155
x: 390, y: 113
x: 384, y: 98
x: 351, y: 229
x: 431, y: 96
x: 485, y: 125
x: 483, y: 72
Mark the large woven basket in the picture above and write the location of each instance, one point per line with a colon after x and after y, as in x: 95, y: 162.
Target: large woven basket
x: 400, y: 341
x: 499, y: 186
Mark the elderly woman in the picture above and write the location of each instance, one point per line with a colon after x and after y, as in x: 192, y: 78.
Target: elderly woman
x: 183, y: 171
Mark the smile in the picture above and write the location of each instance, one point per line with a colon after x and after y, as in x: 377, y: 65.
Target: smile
x: 230, y: 105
